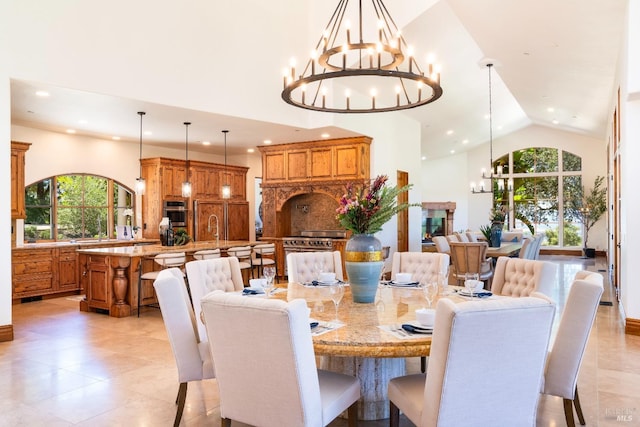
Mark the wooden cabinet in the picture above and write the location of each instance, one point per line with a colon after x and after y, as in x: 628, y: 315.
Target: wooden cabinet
x: 18, y: 150
x: 98, y: 281
x: 33, y: 273
x: 164, y: 178
x: 234, y: 219
x: 326, y: 160
x: 67, y: 269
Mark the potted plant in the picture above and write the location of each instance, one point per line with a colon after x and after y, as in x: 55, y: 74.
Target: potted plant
x: 589, y: 207
x: 363, y: 210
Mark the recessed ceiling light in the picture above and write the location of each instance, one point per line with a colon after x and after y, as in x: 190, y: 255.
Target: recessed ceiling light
x: 499, y: 127
x: 424, y: 157
x: 555, y: 121
x: 325, y: 135
x: 115, y: 138
x: 453, y: 151
x: 71, y: 131
x: 148, y: 132
x: 267, y: 141
x: 465, y: 141
x: 449, y: 132
x: 82, y: 122
x: 42, y: 93
x: 206, y: 142
x: 551, y: 109
x: 250, y: 150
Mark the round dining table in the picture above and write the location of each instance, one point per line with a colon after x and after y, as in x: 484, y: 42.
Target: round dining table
x: 366, y: 341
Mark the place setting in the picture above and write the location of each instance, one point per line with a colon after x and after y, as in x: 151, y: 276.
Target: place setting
x: 473, y: 287
x: 326, y: 279
x: 402, y: 280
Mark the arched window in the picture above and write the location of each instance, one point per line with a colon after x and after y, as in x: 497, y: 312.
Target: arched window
x: 76, y: 206
x: 545, y: 182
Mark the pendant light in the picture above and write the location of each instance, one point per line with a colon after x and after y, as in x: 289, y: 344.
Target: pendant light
x: 140, y: 183
x: 497, y: 176
x: 186, y: 185
x: 226, y: 188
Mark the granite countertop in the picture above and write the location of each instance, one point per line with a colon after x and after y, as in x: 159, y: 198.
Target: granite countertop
x: 93, y: 243
x: 154, y: 249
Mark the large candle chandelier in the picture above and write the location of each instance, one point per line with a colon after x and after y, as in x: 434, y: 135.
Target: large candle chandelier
x: 370, y: 50
x: 491, y: 176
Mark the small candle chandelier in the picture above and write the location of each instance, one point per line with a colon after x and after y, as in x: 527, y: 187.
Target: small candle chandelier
x: 500, y: 181
x: 370, y: 54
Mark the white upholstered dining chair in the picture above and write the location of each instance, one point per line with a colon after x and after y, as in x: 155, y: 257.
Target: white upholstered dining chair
x: 565, y: 357
x: 442, y: 244
x: 422, y: 265
x: 192, y: 355
x: 209, y: 275
x: 481, y: 372
x: 517, y: 277
x: 302, y: 267
x: 266, y: 366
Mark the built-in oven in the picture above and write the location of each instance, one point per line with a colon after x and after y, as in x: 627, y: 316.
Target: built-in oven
x: 176, y: 211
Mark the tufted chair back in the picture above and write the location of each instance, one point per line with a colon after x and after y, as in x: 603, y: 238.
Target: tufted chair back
x: 303, y: 267
x: 565, y: 358
x: 442, y: 244
x: 209, y: 275
x: 266, y: 367
x: 422, y: 265
x: 520, y: 277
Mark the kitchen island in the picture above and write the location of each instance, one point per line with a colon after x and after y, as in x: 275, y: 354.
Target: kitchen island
x: 108, y: 273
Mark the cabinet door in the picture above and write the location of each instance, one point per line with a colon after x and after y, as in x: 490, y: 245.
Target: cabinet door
x: 172, y: 179
x: 321, y: 166
x: 297, y: 165
x: 67, y: 269
x: 347, y: 159
x: 273, y: 166
x: 238, y: 220
x: 206, y: 182
x: 98, y: 282
x: 209, y: 221
x: 17, y: 179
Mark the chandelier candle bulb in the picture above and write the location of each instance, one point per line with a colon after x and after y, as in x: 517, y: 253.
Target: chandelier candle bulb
x: 473, y: 186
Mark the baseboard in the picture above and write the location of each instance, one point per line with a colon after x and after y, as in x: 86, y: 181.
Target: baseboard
x: 6, y: 333
x: 632, y: 326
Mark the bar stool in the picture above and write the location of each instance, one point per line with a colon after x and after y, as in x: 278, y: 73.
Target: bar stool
x: 264, y: 255
x: 164, y: 260
x: 206, y: 254
x: 243, y: 253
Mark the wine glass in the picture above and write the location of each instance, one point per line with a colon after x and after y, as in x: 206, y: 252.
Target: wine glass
x: 443, y: 281
x: 430, y: 289
x: 470, y: 280
x: 336, y: 291
x: 269, y: 273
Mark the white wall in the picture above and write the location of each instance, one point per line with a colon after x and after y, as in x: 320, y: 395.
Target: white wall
x: 446, y: 180
x: 5, y: 194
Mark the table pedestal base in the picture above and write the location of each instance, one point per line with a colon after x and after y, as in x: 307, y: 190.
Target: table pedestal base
x: 374, y: 375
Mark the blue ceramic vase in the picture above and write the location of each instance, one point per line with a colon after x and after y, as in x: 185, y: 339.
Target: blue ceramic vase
x: 496, y: 235
x: 364, y: 262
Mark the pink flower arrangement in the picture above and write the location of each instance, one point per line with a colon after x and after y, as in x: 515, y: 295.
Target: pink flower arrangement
x: 365, y: 209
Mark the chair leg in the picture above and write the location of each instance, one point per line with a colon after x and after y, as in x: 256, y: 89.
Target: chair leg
x: 568, y: 412
x: 225, y: 422
x: 352, y: 413
x: 180, y: 399
x: 576, y: 403
x: 394, y: 415
x: 423, y: 364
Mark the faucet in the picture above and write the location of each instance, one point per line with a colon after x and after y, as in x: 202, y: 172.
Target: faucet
x: 217, y: 235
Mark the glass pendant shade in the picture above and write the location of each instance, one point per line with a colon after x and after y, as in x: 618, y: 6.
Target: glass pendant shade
x: 226, y: 188
x: 141, y: 185
x: 186, y: 186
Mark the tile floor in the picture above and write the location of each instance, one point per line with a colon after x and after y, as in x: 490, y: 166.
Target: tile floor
x: 86, y: 369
